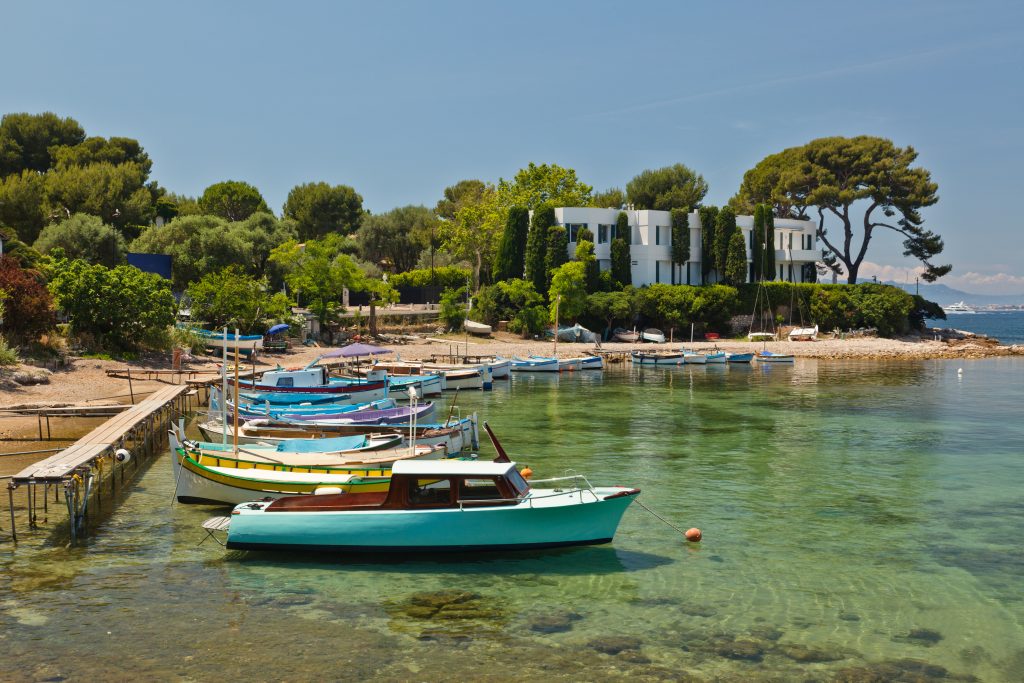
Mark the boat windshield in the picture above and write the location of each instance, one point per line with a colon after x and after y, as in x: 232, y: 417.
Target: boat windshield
x: 518, y: 483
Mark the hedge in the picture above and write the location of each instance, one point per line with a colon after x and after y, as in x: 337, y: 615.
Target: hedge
x: 448, y: 277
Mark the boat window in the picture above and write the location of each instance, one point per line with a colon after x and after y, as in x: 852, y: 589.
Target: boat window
x: 517, y: 482
x: 479, y: 489
x: 286, y: 381
x: 430, y: 492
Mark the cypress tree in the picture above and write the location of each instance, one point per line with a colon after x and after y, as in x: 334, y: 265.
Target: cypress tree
x: 511, y: 258
x: 708, y: 217
x: 757, y: 250
x: 585, y: 235
x: 621, y: 268
x: 725, y: 226
x: 680, y: 238
x: 622, y: 229
x: 736, y: 262
x: 557, y: 251
x: 585, y: 253
x: 537, y: 247
x: 769, y: 241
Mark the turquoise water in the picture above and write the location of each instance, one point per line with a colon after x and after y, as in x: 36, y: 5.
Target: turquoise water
x: 861, y: 519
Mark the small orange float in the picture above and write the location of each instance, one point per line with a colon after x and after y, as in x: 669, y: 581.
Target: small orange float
x: 693, y: 535
x: 526, y: 472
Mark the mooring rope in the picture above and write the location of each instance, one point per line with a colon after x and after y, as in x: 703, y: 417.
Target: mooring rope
x: 681, y: 532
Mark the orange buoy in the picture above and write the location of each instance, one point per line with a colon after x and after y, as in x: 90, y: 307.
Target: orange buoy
x: 693, y: 535
x: 526, y: 472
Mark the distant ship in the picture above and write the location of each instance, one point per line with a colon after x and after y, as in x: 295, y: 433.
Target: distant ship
x: 959, y: 307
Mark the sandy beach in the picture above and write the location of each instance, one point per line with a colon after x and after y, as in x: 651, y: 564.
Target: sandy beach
x: 86, y: 381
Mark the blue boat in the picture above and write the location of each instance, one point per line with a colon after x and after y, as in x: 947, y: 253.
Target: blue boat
x: 739, y: 357
x: 435, y: 505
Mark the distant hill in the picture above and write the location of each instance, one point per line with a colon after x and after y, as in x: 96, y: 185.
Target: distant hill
x: 944, y: 296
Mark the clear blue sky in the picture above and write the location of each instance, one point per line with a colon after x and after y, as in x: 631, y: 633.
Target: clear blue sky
x: 400, y: 99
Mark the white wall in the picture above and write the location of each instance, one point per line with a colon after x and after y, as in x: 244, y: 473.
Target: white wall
x: 645, y: 254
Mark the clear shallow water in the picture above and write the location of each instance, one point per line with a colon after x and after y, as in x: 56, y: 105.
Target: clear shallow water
x: 865, y: 513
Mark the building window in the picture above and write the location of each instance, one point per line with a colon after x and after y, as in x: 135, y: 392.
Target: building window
x: 573, y: 229
x: 657, y: 271
x: 790, y: 241
x: 790, y: 272
x: 657, y: 235
x: 780, y: 272
x: 751, y: 235
x: 602, y: 234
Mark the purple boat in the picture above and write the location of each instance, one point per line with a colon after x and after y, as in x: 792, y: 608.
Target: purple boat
x: 365, y: 417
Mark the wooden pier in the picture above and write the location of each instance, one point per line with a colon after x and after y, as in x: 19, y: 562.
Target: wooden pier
x: 104, y: 455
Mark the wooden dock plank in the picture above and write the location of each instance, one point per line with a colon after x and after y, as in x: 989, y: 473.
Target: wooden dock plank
x: 98, y: 440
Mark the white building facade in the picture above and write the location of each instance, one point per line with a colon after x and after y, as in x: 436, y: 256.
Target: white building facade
x: 796, y: 244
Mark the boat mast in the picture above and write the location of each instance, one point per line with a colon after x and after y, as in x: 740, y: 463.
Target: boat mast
x: 235, y: 440
x: 224, y: 391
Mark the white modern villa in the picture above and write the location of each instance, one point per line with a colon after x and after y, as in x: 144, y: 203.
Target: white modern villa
x: 796, y: 247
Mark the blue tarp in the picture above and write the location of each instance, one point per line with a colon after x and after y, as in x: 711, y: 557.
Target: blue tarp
x: 152, y: 263
x: 338, y: 443
x: 280, y: 327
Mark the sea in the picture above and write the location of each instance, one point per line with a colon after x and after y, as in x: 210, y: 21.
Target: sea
x: 862, y: 520
x: 1006, y: 326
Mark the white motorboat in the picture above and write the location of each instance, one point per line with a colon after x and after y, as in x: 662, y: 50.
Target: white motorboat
x: 958, y: 307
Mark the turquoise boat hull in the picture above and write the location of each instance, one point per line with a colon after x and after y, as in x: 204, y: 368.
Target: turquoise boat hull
x: 544, y: 523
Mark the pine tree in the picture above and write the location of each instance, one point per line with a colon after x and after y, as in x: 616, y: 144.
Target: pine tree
x: 757, y: 250
x: 725, y: 226
x: 708, y: 216
x: 511, y: 259
x: 680, y: 238
x: 736, y: 263
x: 537, y: 247
x: 557, y: 251
x: 769, y: 241
x: 621, y: 268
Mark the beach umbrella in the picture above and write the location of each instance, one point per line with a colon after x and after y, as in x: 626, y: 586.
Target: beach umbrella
x: 280, y: 327
x: 356, y: 350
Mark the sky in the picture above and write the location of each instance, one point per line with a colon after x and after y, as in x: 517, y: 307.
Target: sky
x: 401, y: 99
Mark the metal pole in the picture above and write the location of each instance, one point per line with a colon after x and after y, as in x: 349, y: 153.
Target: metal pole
x: 235, y: 439
x: 10, y: 495
x: 131, y: 392
x: 224, y: 392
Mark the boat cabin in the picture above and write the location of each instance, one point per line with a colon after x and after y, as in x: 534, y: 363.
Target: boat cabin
x: 423, y: 485
x: 311, y: 377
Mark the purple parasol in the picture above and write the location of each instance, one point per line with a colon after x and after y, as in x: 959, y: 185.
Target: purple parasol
x: 356, y: 350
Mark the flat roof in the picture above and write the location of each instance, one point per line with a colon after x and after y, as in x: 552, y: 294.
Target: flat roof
x: 464, y: 468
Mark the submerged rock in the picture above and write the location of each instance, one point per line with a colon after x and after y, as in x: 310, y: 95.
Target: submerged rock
x: 802, y: 653
x: 556, y: 622
x: 766, y: 633
x: 900, y: 670
x: 698, y: 610
x: 919, y: 636
x: 613, y: 645
x: 741, y: 649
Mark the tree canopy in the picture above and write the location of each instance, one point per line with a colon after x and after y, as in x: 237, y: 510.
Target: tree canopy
x: 196, y: 244
x: 458, y: 195
x: 28, y: 304
x: 26, y: 140
x: 568, y: 292
x: 537, y: 247
x: 664, y: 189
x: 84, y: 237
x: 832, y: 175
x: 680, y: 236
x: 232, y: 298
x: 546, y: 183
x: 612, y: 198
x: 398, y: 236
x: 736, y: 260
x: 318, y: 273
x: 474, y: 233
x: 319, y: 209
x: 232, y: 200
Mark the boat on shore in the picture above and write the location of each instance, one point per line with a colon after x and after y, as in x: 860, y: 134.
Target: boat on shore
x: 620, y: 334
x: 432, y: 506
x: 804, y: 334
x: 653, y: 335
x: 245, y: 344
x: 477, y: 329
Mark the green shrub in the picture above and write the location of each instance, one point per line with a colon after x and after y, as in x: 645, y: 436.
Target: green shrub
x: 531, y: 320
x: 504, y: 300
x: 453, y: 307
x: 8, y: 354
x: 679, y: 305
x: 449, y: 277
